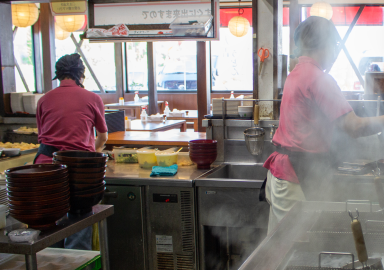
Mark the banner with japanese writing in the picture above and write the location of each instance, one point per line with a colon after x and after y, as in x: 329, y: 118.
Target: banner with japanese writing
x: 69, y: 8
x: 149, y: 12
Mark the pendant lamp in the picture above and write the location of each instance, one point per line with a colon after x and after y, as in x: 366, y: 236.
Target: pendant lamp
x: 238, y: 25
x: 70, y: 23
x: 322, y: 9
x: 24, y: 15
x: 60, y: 34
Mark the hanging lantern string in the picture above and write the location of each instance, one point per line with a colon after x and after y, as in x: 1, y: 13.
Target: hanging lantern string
x: 241, y: 10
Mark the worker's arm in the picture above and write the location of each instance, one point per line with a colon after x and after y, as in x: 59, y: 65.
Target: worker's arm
x: 360, y: 126
x: 100, y: 141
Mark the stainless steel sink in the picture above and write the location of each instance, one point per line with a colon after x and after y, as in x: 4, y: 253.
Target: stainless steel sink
x: 234, y: 175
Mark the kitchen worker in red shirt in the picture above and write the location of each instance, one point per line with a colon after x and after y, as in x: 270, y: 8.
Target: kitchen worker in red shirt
x: 66, y: 117
x: 312, y: 107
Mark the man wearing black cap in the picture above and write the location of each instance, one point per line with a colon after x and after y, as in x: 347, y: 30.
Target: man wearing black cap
x: 312, y: 106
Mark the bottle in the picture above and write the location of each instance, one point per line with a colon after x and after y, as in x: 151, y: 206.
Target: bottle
x: 232, y: 96
x: 136, y: 98
x: 144, y: 114
x: 166, y: 110
x: 121, y: 101
x: 127, y: 123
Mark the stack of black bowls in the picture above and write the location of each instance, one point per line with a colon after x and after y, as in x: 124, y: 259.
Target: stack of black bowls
x: 38, y: 195
x: 86, y: 177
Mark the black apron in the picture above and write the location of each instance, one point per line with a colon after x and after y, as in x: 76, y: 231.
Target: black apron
x: 46, y: 150
x: 314, y: 171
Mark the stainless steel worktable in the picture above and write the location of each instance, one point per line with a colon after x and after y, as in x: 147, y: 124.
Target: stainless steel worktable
x: 132, y: 174
x: 65, y: 227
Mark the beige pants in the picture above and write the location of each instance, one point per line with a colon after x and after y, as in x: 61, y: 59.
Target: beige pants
x: 281, y: 196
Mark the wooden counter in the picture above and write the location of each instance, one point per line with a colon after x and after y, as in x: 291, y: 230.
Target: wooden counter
x: 153, y: 138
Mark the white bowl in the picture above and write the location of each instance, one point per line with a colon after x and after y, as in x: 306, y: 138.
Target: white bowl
x: 11, y: 152
x: 245, y: 111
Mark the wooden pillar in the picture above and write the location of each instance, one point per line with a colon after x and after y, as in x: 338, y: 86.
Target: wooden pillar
x: 203, y: 81
x: 6, y: 44
x: 47, y: 27
x: 152, y: 90
x: 294, y: 21
x: 255, y: 56
x: 2, y: 109
x: 36, y: 33
x: 119, y: 71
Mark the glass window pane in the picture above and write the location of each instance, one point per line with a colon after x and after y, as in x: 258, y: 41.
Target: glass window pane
x: 23, y: 50
x: 176, y: 65
x: 231, y: 57
x: 101, y: 58
x: 137, y: 66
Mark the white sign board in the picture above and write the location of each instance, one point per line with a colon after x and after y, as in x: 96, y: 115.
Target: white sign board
x: 149, y: 12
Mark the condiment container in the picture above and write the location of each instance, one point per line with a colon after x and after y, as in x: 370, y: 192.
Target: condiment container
x: 147, y: 158
x: 166, y: 158
x: 121, y: 101
x: 183, y: 159
x: 3, y: 219
x: 126, y: 155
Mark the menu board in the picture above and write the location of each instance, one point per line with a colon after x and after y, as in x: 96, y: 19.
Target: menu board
x: 153, y: 19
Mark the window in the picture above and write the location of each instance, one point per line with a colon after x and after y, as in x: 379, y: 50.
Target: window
x: 364, y: 44
x: 23, y: 51
x: 231, y: 57
x: 136, y: 53
x: 101, y: 58
x: 176, y: 65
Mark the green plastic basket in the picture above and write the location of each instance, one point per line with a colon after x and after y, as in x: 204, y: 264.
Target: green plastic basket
x: 94, y: 264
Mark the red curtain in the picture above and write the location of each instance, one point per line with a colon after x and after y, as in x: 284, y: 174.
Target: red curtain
x: 228, y: 13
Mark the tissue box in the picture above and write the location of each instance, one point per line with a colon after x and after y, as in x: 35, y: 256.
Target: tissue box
x: 155, y: 118
x: 177, y: 114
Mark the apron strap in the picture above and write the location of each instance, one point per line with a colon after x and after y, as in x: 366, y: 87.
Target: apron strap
x: 313, y: 170
x: 46, y: 150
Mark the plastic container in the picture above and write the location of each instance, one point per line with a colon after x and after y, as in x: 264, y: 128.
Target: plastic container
x: 245, y: 111
x: 127, y: 123
x: 167, y: 110
x: 121, y: 101
x: 136, y: 98
x: 144, y: 115
x: 191, y: 26
x: 3, y: 218
x: 125, y: 155
x: 183, y: 159
x: 166, y: 158
x: 155, y: 118
x: 147, y: 158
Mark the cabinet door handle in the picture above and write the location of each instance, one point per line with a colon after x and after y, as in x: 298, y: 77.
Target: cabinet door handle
x: 110, y: 194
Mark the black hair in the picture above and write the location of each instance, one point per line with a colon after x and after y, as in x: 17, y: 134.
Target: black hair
x: 314, y: 33
x: 70, y: 66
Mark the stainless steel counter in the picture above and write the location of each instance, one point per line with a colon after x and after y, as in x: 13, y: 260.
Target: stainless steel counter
x: 132, y: 174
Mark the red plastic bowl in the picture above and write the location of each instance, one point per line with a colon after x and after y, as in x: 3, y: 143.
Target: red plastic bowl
x: 41, y: 221
x: 38, y: 203
x: 203, y: 162
x: 28, y: 182
x: 36, y: 170
x: 203, y: 142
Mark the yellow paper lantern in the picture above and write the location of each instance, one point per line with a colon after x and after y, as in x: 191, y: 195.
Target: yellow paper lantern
x: 70, y: 23
x: 238, y: 26
x: 24, y: 15
x: 60, y: 34
x: 322, y: 9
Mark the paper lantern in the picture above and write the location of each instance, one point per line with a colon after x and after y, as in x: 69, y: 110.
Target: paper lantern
x: 60, y: 34
x: 322, y: 9
x: 70, y: 23
x: 238, y: 26
x: 24, y: 15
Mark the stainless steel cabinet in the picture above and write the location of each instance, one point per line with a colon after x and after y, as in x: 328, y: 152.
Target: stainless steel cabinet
x: 171, y: 228
x: 231, y: 223
x: 126, y: 228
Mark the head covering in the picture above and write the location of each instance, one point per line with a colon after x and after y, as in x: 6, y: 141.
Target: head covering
x: 70, y: 66
x: 314, y: 33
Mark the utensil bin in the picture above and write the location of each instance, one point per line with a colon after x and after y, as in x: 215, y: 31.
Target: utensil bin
x: 125, y: 155
x: 191, y: 26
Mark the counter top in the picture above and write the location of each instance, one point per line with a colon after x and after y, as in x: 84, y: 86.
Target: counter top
x: 132, y: 174
x: 153, y: 138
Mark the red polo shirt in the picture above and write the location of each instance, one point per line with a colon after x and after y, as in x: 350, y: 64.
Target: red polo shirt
x: 66, y: 116
x: 311, y: 103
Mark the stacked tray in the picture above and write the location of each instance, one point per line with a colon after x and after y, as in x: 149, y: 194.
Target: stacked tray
x: 231, y: 107
x: 86, y: 177
x: 38, y: 195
